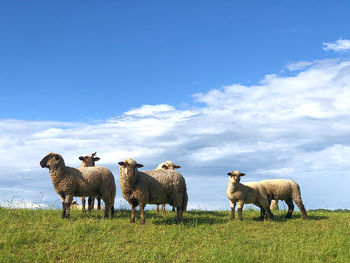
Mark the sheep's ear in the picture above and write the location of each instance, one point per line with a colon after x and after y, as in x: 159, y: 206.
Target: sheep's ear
x: 56, y: 157
x: 139, y: 165
x: 121, y: 163
x: 177, y: 166
x: 81, y: 158
x: 229, y: 173
x: 242, y: 174
x: 96, y: 159
x: 164, y: 166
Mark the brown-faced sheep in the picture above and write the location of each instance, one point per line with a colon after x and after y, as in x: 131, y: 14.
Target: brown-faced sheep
x: 168, y: 165
x: 247, y: 193
x: 85, y: 181
x: 89, y: 161
x: 151, y: 187
x: 287, y: 190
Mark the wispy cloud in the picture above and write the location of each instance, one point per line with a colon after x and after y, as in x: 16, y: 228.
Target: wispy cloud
x: 341, y: 45
x: 293, y: 127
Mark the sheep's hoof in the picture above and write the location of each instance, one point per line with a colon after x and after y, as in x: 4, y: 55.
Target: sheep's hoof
x: 142, y: 222
x: 132, y: 220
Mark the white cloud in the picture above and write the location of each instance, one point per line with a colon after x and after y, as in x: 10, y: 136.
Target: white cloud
x: 293, y: 127
x: 341, y: 45
x: 299, y: 65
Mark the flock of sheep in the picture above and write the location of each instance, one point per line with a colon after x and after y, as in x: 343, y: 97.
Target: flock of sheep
x: 160, y: 186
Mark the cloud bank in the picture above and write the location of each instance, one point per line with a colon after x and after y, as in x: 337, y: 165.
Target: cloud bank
x: 295, y: 127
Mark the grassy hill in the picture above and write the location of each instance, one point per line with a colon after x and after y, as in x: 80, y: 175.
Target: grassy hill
x: 204, y: 236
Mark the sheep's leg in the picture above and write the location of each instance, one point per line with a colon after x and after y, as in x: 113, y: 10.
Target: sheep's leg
x: 157, y: 209
x: 269, y: 214
x: 142, y: 214
x: 301, y: 208
x: 290, y: 204
x: 173, y: 209
x: 107, y: 208
x: 240, y: 208
x: 83, y: 203
x: 92, y: 203
x: 163, y: 208
x: 112, y: 211
x: 132, y: 220
x: 233, y: 207
x: 262, y: 212
x: 68, y: 201
x: 63, y: 210
x: 89, y: 204
x: 99, y: 203
x: 179, y: 214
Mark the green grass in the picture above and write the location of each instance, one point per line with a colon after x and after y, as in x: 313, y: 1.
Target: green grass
x: 204, y: 236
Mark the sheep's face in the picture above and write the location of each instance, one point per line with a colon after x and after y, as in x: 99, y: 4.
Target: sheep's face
x: 51, y: 160
x: 170, y: 166
x: 89, y: 160
x: 235, y: 176
x: 129, y: 167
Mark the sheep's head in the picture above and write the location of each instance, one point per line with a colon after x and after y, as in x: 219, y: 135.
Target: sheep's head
x: 169, y: 165
x: 51, y: 160
x: 89, y: 160
x: 235, y: 176
x: 129, y: 166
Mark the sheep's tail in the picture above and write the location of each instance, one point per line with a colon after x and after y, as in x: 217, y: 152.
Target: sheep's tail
x: 184, y: 200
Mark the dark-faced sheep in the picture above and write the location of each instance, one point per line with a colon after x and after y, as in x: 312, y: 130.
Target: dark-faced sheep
x: 85, y: 181
x: 168, y: 165
x: 247, y: 193
x: 89, y: 161
x: 151, y: 187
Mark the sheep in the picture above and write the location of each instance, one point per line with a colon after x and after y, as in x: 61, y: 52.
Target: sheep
x: 287, y: 190
x: 88, y: 161
x: 168, y: 165
x: 84, y: 181
x: 151, y: 187
x: 76, y: 206
x: 274, y: 205
x: 247, y: 193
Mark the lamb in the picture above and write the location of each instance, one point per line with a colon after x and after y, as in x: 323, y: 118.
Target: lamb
x: 168, y: 165
x: 287, y: 190
x: 152, y: 187
x: 274, y: 205
x: 76, y: 206
x: 89, y: 161
x: 84, y: 181
x: 247, y: 193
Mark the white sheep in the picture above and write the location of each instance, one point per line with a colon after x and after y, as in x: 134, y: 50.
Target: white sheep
x: 85, y: 181
x: 168, y: 165
x: 247, y: 193
x: 274, y: 205
x: 76, y: 206
x: 151, y: 187
x: 287, y: 190
x: 89, y: 161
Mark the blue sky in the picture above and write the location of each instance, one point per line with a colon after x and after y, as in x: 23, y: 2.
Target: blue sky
x: 257, y: 86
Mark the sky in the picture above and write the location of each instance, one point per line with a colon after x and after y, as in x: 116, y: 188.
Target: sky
x: 262, y: 87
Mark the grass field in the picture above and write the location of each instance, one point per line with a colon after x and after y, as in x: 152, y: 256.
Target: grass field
x: 204, y: 236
